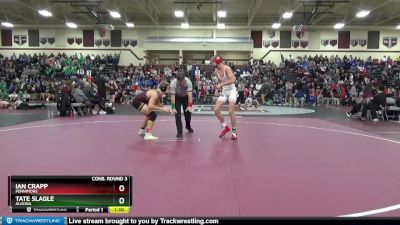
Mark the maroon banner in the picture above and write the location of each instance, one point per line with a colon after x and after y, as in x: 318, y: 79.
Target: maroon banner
x: 43, y: 40
x: 88, y: 38
x: 106, y: 42
x: 6, y: 37
x: 362, y: 42
x: 133, y: 43
x: 275, y: 43
x: 304, y: 44
x: 78, y: 41
x: 98, y: 42
x: 125, y: 43
x: 51, y: 40
x: 295, y: 44
x: 70, y: 40
x: 256, y: 36
x: 344, y: 39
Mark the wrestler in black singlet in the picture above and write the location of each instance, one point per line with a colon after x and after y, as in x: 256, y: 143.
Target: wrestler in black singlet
x: 140, y: 100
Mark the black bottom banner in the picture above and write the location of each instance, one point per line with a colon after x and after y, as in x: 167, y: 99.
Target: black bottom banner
x: 41, y: 220
x: 204, y: 221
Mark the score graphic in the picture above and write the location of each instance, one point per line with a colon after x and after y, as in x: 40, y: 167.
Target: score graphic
x: 76, y: 194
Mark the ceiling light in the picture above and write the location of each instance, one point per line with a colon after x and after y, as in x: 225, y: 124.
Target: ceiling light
x: 71, y: 25
x: 179, y: 13
x: 130, y: 24
x: 221, y: 13
x: 185, y: 25
x: 221, y: 26
x: 339, y: 26
x: 7, y: 24
x: 398, y: 27
x: 362, y: 13
x: 287, y: 15
x: 115, y: 14
x: 45, y: 13
x: 276, y: 25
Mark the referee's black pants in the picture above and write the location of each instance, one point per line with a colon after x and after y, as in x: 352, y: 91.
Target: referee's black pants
x: 179, y: 102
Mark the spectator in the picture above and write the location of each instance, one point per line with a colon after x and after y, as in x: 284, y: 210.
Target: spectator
x: 374, y: 104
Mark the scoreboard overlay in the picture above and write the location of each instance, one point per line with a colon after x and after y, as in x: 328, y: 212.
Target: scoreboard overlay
x: 75, y: 194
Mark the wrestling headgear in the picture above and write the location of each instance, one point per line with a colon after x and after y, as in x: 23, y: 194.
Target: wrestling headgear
x: 163, y: 86
x: 217, y: 59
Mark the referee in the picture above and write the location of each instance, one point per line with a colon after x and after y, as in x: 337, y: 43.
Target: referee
x: 181, y: 95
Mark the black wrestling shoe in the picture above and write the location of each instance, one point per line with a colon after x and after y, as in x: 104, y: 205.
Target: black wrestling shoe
x: 190, y: 129
x: 178, y: 135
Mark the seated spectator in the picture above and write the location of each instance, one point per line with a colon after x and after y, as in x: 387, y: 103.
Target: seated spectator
x: 3, y: 90
x: 311, y: 99
x: 299, y: 98
x: 52, y: 92
x: 5, y: 105
x: 20, y: 105
x: 251, y: 102
x: 376, y: 103
x: 78, y: 94
x: 335, y: 100
x: 344, y: 99
x: 13, y: 97
x: 326, y: 96
x: 318, y: 94
x: 25, y: 96
x: 263, y: 92
x: 278, y: 99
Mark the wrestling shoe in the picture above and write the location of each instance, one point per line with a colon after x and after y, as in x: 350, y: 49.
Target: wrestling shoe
x: 190, y: 130
x: 142, y: 132
x: 150, y: 137
x: 224, y: 131
x: 234, y: 136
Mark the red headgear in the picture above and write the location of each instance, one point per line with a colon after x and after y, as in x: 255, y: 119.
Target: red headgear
x: 217, y: 59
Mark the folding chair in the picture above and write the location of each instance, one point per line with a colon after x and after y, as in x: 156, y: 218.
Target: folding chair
x: 392, y: 108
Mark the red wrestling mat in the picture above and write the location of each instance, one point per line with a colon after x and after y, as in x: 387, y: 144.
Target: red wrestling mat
x: 277, y: 167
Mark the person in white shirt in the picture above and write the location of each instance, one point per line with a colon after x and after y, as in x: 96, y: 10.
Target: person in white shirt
x: 258, y: 87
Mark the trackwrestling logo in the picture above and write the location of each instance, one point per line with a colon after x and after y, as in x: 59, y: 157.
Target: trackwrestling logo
x: 33, y: 220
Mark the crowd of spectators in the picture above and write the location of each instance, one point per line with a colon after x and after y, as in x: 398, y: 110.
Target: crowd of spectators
x: 302, y: 81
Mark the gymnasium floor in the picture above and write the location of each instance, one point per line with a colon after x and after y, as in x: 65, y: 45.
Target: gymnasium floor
x: 318, y: 163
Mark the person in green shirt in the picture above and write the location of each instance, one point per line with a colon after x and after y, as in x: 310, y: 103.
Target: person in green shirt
x: 3, y: 90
